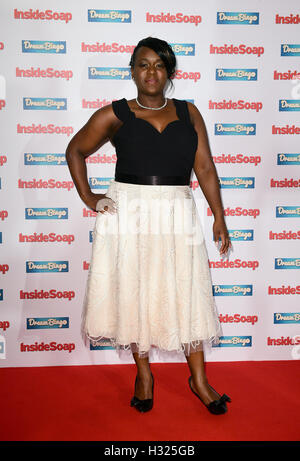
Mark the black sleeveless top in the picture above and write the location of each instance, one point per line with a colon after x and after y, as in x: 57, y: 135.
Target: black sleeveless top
x: 142, y: 150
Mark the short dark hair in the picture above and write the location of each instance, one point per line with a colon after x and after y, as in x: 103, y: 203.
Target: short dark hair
x: 164, y: 51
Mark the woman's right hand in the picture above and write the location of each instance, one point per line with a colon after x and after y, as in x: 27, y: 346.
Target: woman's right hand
x: 101, y: 203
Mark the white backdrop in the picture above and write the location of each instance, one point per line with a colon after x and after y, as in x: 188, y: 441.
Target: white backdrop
x: 236, y: 62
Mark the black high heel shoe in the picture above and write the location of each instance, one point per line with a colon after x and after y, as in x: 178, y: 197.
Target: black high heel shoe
x: 142, y: 405
x: 217, y: 407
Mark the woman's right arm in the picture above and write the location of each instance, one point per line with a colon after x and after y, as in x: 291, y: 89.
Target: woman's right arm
x: 94, y: 134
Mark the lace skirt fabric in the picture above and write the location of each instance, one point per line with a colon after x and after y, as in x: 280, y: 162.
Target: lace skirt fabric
x: 149, y: 282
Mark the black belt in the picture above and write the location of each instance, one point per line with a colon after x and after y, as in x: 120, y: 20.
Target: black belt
x: 153, y: 180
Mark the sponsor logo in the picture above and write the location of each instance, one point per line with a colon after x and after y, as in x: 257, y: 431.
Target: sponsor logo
x: 284, y: 235
x: 283, y: 290
x: 237, y: 17
x: 44, y: 103
x: 237, y: 129
x: 181, y: 75
x: 289, y: 105
x: 239, y: 158
x: 286, y: 317
x: 234, y: 341
x: 46, y: 213
x: 289, y: 75
x: 51, y: 237
x: 44, y: 159
x: 287, y: 263
x: 47, y: 322
x: 3, y: 160
x: 106, y: 48
x: 240, y: 49
x: 237, y: 182
x: 287, y: 129
x: 291, y: 19
x: 85, y: 266
x: 238, y: 211
x: 2, y: 103
x: 1, y: 294
x: 112, y: 73
x: 236, y: 74
x: 283, y: 341
x: 43, y: 73
x: 99, y: 183
x: 1, y: 46
x: 3, y: 214
x: 183, y: 49
x: 86, y: 213
x: 288, y: 212
x: 0, y: 237
x: 284, y: 182
x: 101, y: 158
x: 232, y: 290
x: 47, y: 15
x: 44, y: 46
x: 4, y: 325
x: 290, y: 50
x: 2, y: 347
x: 44, y: 129
x: 96, y: 104
x: 4, y: 268
x: 45, y: 184
x: 288, y: 159
x: 109, y: 16
x: 178, y: 18
x: 237, y: 318
x: 235, y: 264
x: 231, y: 105
x: 47, y: 266
x: 42, y: 347
x: 51, y: 294
x: 91, y: 235
x: 241, y: 235
x: 98, y: 346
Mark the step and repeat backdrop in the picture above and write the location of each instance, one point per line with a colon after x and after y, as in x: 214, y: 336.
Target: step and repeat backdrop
x: 238, y: 62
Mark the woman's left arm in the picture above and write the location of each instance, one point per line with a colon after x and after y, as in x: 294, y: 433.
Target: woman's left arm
x: 207, y: 176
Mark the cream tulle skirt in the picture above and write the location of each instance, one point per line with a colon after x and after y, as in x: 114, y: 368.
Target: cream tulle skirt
x: 149, y: 282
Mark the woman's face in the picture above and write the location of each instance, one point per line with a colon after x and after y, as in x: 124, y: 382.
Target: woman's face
x: 149, y: 72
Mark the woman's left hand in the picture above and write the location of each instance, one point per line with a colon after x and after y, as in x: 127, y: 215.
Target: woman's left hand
x: 220, y: 231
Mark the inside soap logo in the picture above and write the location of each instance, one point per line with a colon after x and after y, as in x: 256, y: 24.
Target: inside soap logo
x: 44, y: 103
x: 44, y: 46
x: 112, y: 73
x: 47, y: 15
x: 109, y: 16
x: 237, y: 17
x: 2, y: 347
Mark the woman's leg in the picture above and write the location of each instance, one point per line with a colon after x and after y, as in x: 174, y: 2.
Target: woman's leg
x: 199, y: 382
x: 143, y: 388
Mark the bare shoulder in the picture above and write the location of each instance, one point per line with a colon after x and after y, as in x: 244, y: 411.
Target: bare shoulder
x: 104, y: 115
x: 195, y: 114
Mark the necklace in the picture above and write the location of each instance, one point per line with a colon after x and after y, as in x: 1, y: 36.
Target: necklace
x: 152, y: 108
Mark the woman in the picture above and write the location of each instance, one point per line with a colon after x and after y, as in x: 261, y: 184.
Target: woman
x: 151, y: 288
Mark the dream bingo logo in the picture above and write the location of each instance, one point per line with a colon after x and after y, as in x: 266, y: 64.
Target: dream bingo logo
x: 117, y: 16
x: 236, y: 74
x: 44, y: 159
x: 233, y: 290
x: 234, y: 341
x: 291, y: 50
x: 283, y: 211
x: 241, y: 235
x: 236, y: 182
x: 237, y: 17
x: 30, y: 103
x: 287, y: 263
x: 99, y: 183
x: 47, y: 266
x: 44, y: 46
x: 286, y: 317
x: 111, y: 73
x: 235, y: 129
x: 46, y: 213
x: 288, y: 159
x: 289, y: 105
x: 47, y: 322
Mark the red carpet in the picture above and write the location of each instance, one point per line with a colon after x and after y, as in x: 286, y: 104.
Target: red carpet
x: 92, y: 403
